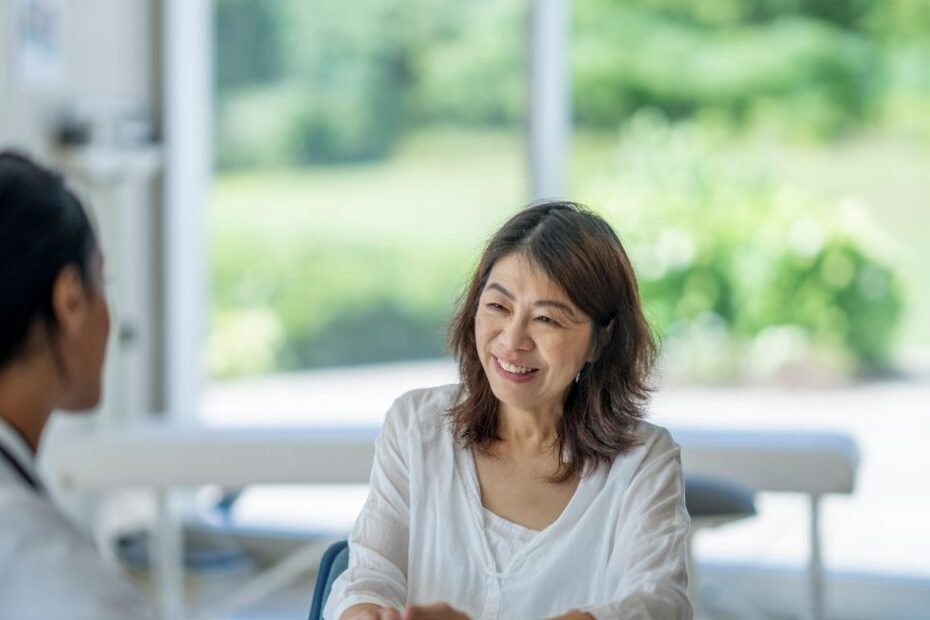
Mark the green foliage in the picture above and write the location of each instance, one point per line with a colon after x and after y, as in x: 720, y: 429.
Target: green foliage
x: 738, y: 273
x: 741, y: 256
x: 336, y: 82
x: 900, y: 20
x: 335, y: 302
x: 822, y: 80
x: 847, y: 14
x: 254, y: 125
x: 840, y: 296
x: 343, y: 81
x: 476, y: 75
x: 351, y: 263
x: 733, y: 265
x: 248, y: 47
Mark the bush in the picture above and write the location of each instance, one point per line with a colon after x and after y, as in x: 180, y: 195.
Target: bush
x: 334, y: 302
x: 247, y: 49
x: 821, y: 81
x: 476, y: 76
x: 737, y: 260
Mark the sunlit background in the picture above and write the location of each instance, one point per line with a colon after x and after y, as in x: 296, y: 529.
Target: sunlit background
x: 765, y: 162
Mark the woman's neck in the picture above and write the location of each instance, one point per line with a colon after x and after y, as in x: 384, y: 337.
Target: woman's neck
x: 26, y: 399
x: 527, y: 430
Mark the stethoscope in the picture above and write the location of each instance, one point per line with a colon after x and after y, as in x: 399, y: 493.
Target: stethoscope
x: 28, y: 478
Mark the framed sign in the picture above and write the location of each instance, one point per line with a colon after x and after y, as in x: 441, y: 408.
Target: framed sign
x: 38, y: 55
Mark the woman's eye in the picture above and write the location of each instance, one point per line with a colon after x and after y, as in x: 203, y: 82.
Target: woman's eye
x: 548, y: 321
x: 495, y: 307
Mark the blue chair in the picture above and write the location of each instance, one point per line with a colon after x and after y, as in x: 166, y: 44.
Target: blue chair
x: 718, y: 500
x: 334, y: 561
x: 712, y: 502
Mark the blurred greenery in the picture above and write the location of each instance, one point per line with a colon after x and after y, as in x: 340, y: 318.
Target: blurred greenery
x: 736, y: 249
x: 368, y: 271
x: 354, y: 263
x: 303, y: 82
x: 365, y: 149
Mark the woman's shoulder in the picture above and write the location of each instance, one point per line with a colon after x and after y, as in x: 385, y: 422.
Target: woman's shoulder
x: 654, y: 446
x: 652, y: 436
x: 422, y: 411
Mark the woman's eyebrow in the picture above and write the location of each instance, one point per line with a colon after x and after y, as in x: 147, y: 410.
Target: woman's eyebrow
x: 552, y: 303
x: 556, y: 304
x: 501, y: 289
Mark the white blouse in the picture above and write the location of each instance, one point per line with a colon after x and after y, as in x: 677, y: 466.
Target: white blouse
x: 617, y: 550
x: 506, y: 539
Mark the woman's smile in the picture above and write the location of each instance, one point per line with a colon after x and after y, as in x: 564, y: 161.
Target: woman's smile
x: 514, y: 372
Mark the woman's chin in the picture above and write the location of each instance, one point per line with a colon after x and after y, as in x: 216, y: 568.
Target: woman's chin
x: 83, y: 403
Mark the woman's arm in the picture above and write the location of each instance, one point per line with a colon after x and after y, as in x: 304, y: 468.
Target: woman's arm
x: 377, y: 571
x: 367, y: 611
x: 652, y: 537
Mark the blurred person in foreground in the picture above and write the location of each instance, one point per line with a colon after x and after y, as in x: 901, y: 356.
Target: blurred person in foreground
x: 54, y: 324
x: 534, y: 488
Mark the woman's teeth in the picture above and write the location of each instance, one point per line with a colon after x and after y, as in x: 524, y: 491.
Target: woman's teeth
x: 512, y: 368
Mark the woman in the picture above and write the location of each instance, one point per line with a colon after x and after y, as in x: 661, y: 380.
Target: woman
x: 54, y: 324
x: 533, y: 489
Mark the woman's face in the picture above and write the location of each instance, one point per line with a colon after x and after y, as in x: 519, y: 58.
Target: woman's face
x: 532, y: 340
x: 84, y: 342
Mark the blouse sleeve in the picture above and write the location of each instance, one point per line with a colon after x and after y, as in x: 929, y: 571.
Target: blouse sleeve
x: 377, y: 571
x: 652, y: 535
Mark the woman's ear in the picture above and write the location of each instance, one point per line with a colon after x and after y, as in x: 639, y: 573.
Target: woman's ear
x: 69, y: 301
x: 599, y: 340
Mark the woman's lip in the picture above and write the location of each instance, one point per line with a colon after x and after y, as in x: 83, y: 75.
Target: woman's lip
x: 512, y: 376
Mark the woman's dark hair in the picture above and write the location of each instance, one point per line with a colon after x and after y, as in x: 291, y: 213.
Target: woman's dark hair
x: 43, y: 229
x: 580, y: 252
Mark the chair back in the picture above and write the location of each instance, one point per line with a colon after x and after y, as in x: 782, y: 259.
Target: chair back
x: 334, y: 561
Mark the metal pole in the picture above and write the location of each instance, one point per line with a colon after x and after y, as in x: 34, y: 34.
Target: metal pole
x: 815, y: 568
x: 166, y: 547
x: 549, y: 101
x: 187, y: 69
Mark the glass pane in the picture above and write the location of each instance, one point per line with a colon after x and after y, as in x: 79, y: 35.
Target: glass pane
x: 775, y: 202
x: 363, y: 151
x: 766, y: 164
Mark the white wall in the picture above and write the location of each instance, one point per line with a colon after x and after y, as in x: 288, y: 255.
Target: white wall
x: 111, y: 51
x: 110, y: 62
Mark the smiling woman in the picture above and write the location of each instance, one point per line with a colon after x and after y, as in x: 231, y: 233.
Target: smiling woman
x: 533, y: 488
x: 573, y: 271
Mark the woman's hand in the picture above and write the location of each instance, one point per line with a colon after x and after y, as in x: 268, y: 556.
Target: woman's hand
x: 436, y: 611
x: 574, y: 615
x: 367, y: 611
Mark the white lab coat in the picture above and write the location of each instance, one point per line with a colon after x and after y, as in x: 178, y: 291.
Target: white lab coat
x: 618, y: 550
x: 48, y: 567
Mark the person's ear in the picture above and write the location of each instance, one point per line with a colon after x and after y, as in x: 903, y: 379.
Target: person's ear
x: 69, y: 301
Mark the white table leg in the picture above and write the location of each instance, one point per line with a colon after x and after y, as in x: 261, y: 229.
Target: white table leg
x: 815, y: 567
x: 167, y: 548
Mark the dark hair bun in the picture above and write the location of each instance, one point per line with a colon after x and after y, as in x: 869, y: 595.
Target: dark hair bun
x: 43, y: 228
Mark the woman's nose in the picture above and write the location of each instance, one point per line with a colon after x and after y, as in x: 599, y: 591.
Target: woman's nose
x: 515, y: 335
